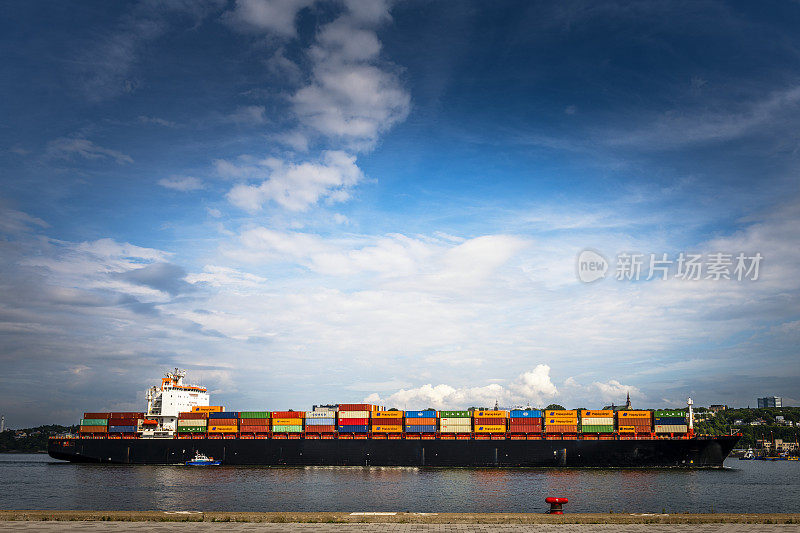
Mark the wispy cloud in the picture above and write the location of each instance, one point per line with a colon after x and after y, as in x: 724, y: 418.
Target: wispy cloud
x: 182, y: 183
x: 65, y: 147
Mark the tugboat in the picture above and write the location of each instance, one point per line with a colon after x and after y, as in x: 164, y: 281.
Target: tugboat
x: 748, y: 455
x: 200, y: 459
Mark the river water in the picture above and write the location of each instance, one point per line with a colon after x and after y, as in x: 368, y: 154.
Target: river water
x: 35, y: 481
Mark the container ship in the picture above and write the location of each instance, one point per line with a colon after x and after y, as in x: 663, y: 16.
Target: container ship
x: 180, y: 423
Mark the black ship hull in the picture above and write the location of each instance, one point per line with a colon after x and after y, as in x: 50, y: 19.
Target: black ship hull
x: 700, y: 452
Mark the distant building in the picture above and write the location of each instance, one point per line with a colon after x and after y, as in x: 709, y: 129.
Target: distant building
x: 626, y: 407
x: 738, y: 422
x: 718, y: 408
x: 770, y: 401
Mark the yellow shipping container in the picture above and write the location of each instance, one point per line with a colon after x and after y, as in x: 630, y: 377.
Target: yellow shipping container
x: 388, y: 429
x: 627, y: 429
x: 597, y: 414
x: 489, y: 429
x: 387, y: 414
x: 561, y: 414
x: 490, y: 414
x: 287, y: 421
x: 208, y: 409
x: 223, y: 429
x: 633, y: 414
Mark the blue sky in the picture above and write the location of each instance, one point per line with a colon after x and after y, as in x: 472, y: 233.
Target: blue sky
x: 308, y: 201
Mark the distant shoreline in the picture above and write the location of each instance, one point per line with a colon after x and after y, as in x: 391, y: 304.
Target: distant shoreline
x: 402, y: 517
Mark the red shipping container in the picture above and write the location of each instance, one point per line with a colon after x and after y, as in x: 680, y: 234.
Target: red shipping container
x: 420, y: 421
x: 254, y: 429
x: 97, y: 415
x: 224, y: 422
x: 253, y: 422
x: 192, y: 416
x: 355, y: 407
x: 122, y: 421
x: 562, y: 428
x: 491, y: 421
x: 93, y: 429
x: 353, y: 421
x: 320, y: 429
x: 288, y: 414
x: 127, y: 415
x: 388, y: 421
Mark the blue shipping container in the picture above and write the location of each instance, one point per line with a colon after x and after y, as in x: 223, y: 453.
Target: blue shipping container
x: 320, y: 421
x: 670, y: 420
x: 420, y: 429
x: 353, y: 429
x: 420, y: 414
x: 122, y: 429
x: 526, y: 413
x: 224, y: 414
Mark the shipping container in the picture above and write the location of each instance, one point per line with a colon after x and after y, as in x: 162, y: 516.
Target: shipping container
x: 223, y: 414
x: 627, y: 429
x: 387, y: 421
x: 481, y: 428
x: 455, y: 414
x: 672, y: 428
x: 214, y: 428
x: 122, y: 421
x: 608, y: 413
x: 287, y: 421
x: 525, y: 413
x: 561, y: 414
x: 223, y: 421
x: 127, y: 415
x: 606, y: 428
x: 421, y: 421
x: 93, y: 429
x: 490, y: 414
x: 421, y: 428
x: 287, y: 429
x: 191, y: 429
x: 200, y: 422
x: 319, y: 428
x: 122, y: 429
x: 320, y: 421
x: 420, y: 414
x: 353, y: 421
x: 94, y: 421
x: 356, y: 407
x: 253, y: 422
x: 353, y: 429
x: 208, y: 408
x: 491, y: 421
x: 328, y: 413
x: 255, y: 428
x: 387, y: 429
x: 669, y: 412
x: 669, y: 420
x: 387, y: 414
x: 561, y: 428
x: 633, y: 414
x: 254, y: 414
x: 288, y: 414
x: 96, y: 415
x: 192, y: 416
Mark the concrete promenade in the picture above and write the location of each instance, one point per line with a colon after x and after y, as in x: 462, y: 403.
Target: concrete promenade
x: 198, y: 522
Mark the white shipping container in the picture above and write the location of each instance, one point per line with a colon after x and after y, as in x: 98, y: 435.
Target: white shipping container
x: 328, y: 413
x: 586, y: 421
x: 661, y: 428
x: 193, y: 422
x: 353, y: 414
x: 451, y: 420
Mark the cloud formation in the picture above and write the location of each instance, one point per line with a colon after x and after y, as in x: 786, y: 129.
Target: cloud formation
x: 65, y: 147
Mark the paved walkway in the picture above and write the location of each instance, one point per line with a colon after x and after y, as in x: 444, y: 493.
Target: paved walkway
x: 205, y: 527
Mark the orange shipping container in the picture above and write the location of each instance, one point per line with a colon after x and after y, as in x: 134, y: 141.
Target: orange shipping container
x: 597, y: 414
x: 420, y: 421
x: 387, y: 414
x: 388, y: 429
x: 622, y: 415
x: 223, y: 429
x: 490, y: 414
x: 208, y: 409
x: 627, y: 429
x: 562, y: 428
x: 479, y: 428
x: 564, y: 414
x: 255, y: 429
x: 93, y: 429
x: 287, y: 422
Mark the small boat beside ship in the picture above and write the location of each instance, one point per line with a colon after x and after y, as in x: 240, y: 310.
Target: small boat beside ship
x: 200, y: 459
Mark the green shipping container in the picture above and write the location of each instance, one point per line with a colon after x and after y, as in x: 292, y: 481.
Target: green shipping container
x: 669, y: 412
x: 455, y: 414
x: 191, y: 429
x: 94, y: 421
x: 598, y: 429
x: 287, y: 429
x: 254, y: 414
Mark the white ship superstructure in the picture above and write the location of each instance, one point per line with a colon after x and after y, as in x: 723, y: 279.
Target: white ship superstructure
x: 173, y: 397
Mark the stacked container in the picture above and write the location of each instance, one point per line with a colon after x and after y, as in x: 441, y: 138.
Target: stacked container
x: 634, y: 421
x: 208, y: 409
x: 670, y: 421
x: 490, y: 421
x: 525, y: 421
x: 455, y: 422
x: 94, y: 423
x: 223, y: 422
x: 597, y: 421
x: 192, y: 422
x: 420, y: 421
x: 321, y: 420
x: 124, y: 422
x: 254, y: 421
x: 561, y: 421
x: 287, y: 421
x: 387, y: 421
x: 354, y: 417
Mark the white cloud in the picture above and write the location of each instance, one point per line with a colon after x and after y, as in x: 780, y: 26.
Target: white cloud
x: 248, y: 115
x: 219, y: 276
x: 181, y: 183
x: 295, y: 187
x: 276, y: 17
x: 65, y: 147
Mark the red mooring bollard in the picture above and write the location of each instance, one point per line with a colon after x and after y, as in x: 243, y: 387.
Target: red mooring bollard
x: 555, y: 505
